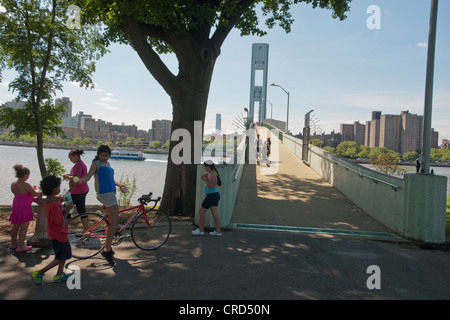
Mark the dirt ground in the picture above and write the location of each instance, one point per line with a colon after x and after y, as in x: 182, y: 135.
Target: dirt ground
x: 5, y: 225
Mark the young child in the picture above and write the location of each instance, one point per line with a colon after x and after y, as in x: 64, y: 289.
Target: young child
x: 57, y: 229
x: 211, y: 201
x: 21, y: 210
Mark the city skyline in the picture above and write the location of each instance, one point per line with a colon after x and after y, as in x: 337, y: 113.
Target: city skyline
x: 397, y: 132
x: 340, y: 69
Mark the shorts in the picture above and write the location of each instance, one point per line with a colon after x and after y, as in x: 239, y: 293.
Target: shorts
x: 211, y: 200
x: 108, y: 199
x: 62, y: 250
x: 79, y: 200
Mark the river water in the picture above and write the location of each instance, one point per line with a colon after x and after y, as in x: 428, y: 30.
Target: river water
x: 439, y: 171
x: 150, y: 173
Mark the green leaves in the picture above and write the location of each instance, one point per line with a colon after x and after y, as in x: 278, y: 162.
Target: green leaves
x: 24, y: 119
x: 178, y: 17
x: 54, y: 167
x: 37, y: 43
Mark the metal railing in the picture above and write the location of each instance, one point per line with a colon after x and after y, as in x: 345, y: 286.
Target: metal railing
x: 376, y: 180
x: 239, y: 158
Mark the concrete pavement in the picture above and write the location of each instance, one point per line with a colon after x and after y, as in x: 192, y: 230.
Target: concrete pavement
x: 240, y: 265
x: 246, y: 264
x: 295, y: 195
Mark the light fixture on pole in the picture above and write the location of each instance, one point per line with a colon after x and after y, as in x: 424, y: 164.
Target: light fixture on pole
x: 247, y: 124
x: 287, y: 117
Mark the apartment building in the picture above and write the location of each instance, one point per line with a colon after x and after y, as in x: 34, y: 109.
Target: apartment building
x: 353, y: 132
x: 400, y: 133
x: 390, y: 132
x: 412, y: 132
x: 161, y: 130
x: 84, y: 126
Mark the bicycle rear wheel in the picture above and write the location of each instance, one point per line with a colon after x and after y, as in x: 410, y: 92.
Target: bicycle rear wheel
x: 87, y: 234
x: 150, y: 230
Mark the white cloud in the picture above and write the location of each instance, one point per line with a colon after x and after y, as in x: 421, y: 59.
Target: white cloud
x: 111, y: 107
x: 108, y: 100
x: 75, y: 84
x: 386, y: 101
x: 422, y: 44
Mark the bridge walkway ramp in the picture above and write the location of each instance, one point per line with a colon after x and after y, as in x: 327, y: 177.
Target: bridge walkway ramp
x: 295, y: 198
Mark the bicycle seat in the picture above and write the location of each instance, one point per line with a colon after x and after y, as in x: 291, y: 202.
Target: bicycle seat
x: 145, y: 199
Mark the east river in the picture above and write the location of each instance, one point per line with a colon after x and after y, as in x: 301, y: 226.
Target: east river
x: 150, y: 173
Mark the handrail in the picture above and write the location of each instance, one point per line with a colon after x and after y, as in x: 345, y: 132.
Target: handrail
x: 376, y: 180
x: 238, y: 165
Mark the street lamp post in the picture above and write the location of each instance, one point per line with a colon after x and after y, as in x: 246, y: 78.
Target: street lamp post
x: 306, y: 132
x: 247, y: 140
x: 429, y: 89
x: 287, y: 117
x: 271, y: 107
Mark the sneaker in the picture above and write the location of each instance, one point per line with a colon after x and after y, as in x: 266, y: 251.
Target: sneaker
x: 24, y: 248
x: 37, y: 277
x: 108, y: 255
x: 215, y: 234
x: 197, y: 232
x: 61, y: 278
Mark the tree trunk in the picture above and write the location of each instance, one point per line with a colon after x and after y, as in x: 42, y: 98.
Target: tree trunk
x: 189, y: 110
x: 189, y: 90
x: 40, y: 238
x: 40, y: 154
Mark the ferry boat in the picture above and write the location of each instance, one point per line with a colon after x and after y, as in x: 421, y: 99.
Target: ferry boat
x: 127, y: 155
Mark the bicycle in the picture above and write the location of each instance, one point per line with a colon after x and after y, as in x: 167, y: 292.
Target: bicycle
x: 150, y: 229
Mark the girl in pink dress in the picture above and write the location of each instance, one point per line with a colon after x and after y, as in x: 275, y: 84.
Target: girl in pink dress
x: 21, y: 210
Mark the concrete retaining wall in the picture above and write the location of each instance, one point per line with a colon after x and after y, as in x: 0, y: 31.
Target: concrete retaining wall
x: 230, y: 174
x: 413, y: 206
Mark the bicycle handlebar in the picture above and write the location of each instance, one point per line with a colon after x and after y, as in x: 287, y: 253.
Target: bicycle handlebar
x: 147, y: 198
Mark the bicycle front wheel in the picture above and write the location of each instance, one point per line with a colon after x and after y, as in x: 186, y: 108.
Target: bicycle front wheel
x: 150, y: 230
x: 87, y: 234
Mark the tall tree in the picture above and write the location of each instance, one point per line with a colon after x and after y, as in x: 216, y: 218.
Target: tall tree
x: 45, y: 50
x: 194, y: 30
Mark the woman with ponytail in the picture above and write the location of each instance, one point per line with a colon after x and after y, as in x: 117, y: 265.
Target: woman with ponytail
x: 105, y: 186
x: 212, y: 182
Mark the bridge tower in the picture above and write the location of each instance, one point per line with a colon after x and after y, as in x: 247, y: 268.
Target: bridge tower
x: 258, y: 84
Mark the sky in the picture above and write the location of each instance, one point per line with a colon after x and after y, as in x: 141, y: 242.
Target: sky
x: 340, y: 69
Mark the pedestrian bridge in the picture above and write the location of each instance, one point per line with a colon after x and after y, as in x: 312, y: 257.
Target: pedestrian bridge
x: 327, y: 195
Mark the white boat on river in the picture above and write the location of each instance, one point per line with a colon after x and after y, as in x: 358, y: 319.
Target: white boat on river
x: 127, y: 155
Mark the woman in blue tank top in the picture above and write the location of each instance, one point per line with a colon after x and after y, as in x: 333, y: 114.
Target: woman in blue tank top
x: 212, y: 182
x: 105, y: 185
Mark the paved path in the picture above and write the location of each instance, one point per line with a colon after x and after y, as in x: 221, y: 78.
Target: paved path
x: 249, y: 264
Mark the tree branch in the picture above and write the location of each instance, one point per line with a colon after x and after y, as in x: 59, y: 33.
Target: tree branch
x: 222, y: 31
x: 152, y: 31
x: 47, y: 57
x: 138, y: 33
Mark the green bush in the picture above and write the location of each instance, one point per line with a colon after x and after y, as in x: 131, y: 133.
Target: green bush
x: 54, y: 167
x: 125, y: 198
